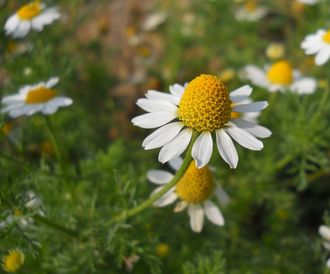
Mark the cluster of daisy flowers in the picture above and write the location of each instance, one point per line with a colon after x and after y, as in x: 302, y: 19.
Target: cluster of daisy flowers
x: 203, y: 107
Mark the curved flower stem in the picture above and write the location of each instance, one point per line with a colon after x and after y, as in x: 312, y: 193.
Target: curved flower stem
x: 40, y: 219
x: 186, y: 162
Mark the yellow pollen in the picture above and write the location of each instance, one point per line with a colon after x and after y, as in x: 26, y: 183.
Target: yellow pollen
x: 29, y: 11
x: 18, y: 212
x: 196, y: 185
x: 326, y: 37
x: 13, y: 261
x: 250, y: 6
x: 280, y: 73
x: 205, y: 104
x: 39, y: 95
x: 235, y: 115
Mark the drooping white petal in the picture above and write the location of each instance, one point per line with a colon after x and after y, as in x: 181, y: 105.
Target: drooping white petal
x: 304, y: 86
x: 202, y: 149
x: 221, y: 195
x: 324, y: 231
x: 244, y: 138
x: 162, y: 136
x: 254, y: 129
x: 196, y: 214
x: 251, y: 107
x: 256, y: 75
x: 180, y: 206
x: 49, y: 109
x: 168, y: 198
x: 241, y: 93
x: 153, y: 119
x: 213, y: 213
x: 176, y: 147
x: 11, y: 24
x: 226, y: 148
x: 323, y: 56
x: 159, y: 177
x: 22, y: 29
x: 157, y: 95
x: 176, y: 163
x: 153, y: 105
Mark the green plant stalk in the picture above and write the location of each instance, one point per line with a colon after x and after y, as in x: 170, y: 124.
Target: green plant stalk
x: 186, y: 162
x: 40, y: 219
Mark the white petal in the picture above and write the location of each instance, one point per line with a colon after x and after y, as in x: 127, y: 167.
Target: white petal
x: 323, y: 56
x: 241, y: 93
x: 251, y: 107
x: 11, y: 24
x: 324, y: 231
x: 213, y: 213
x: 176, y: 163
x: 221, y: 195
x: 256, y: 75
x: 152, y: 105
x: 304, y: 86
x: 159, y: 177
x: 176, y: 147
x: 254, y: 129
x: 52, y: 82
x: 154, y: 119
x: 180, y: 206
x: 328, y: 263
x: 196, y: 215
x: 202, y: 149
x: 12, y: 99
x: 49, y: 109
x: 226, y: 148
x: 177, y: 90
x: 166, y: 199
x: 154, y: 94
x: 61, y: 101
x: 244, y: 138
x: 162, y: 136
x: 22, y: 29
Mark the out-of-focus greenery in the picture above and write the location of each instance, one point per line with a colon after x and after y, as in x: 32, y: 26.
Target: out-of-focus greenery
x: 105, y: 61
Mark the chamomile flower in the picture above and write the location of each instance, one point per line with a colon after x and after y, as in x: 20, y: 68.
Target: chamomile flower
x: 250, y: 11
x: 33, y: 15
x: 194, y: 190
x: 31, y: 99
x: 280, y: 76
x: 204, y: 106
x: 324, y: 231
x: 13, y: 261
x: 309, y: 2
x: 318, y: 44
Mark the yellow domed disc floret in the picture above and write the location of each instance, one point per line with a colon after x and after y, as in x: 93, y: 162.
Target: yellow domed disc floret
x: 280, y: 73
x: 13, y: 261
x: 205, y: 104
x: 196, y: 185
x: 29, y: 11
x: 39, y: 95
x: 326, y: 37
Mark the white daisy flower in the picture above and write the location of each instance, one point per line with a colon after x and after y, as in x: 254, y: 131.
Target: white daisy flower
x: 309, y: 2
x: 194, y: 190
x: 280, y: 77
x: 31, y: 99
x: 205, y: 106
x: 33, y: 15
x: 324, y: 231
x: 250, y: 11
x: 318, y: 44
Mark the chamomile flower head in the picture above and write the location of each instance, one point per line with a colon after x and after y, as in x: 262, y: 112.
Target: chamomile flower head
x: 33, y: 15
x: 309, y: 2
x: 318, y: 44
x: 280, y: 76
x: 31, y: 99
x: 250, y: 11
x: 205, y: 106
x: 13, y: 261
x: 194, y: 192
x: 324, y: 231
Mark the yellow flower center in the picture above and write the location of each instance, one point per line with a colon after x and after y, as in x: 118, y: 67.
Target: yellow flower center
x: 39, y: 95
x: 13, y: 261
x: 196, y: 185
x: 326, y: 37
x: 280, y: 73
x: 29, y: 11
x: 250, y: 6
x: 18, y: 212
x: 205, y: 104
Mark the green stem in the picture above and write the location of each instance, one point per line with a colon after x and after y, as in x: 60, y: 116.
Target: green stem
x: 186, y: 162
x: 47, y: 222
